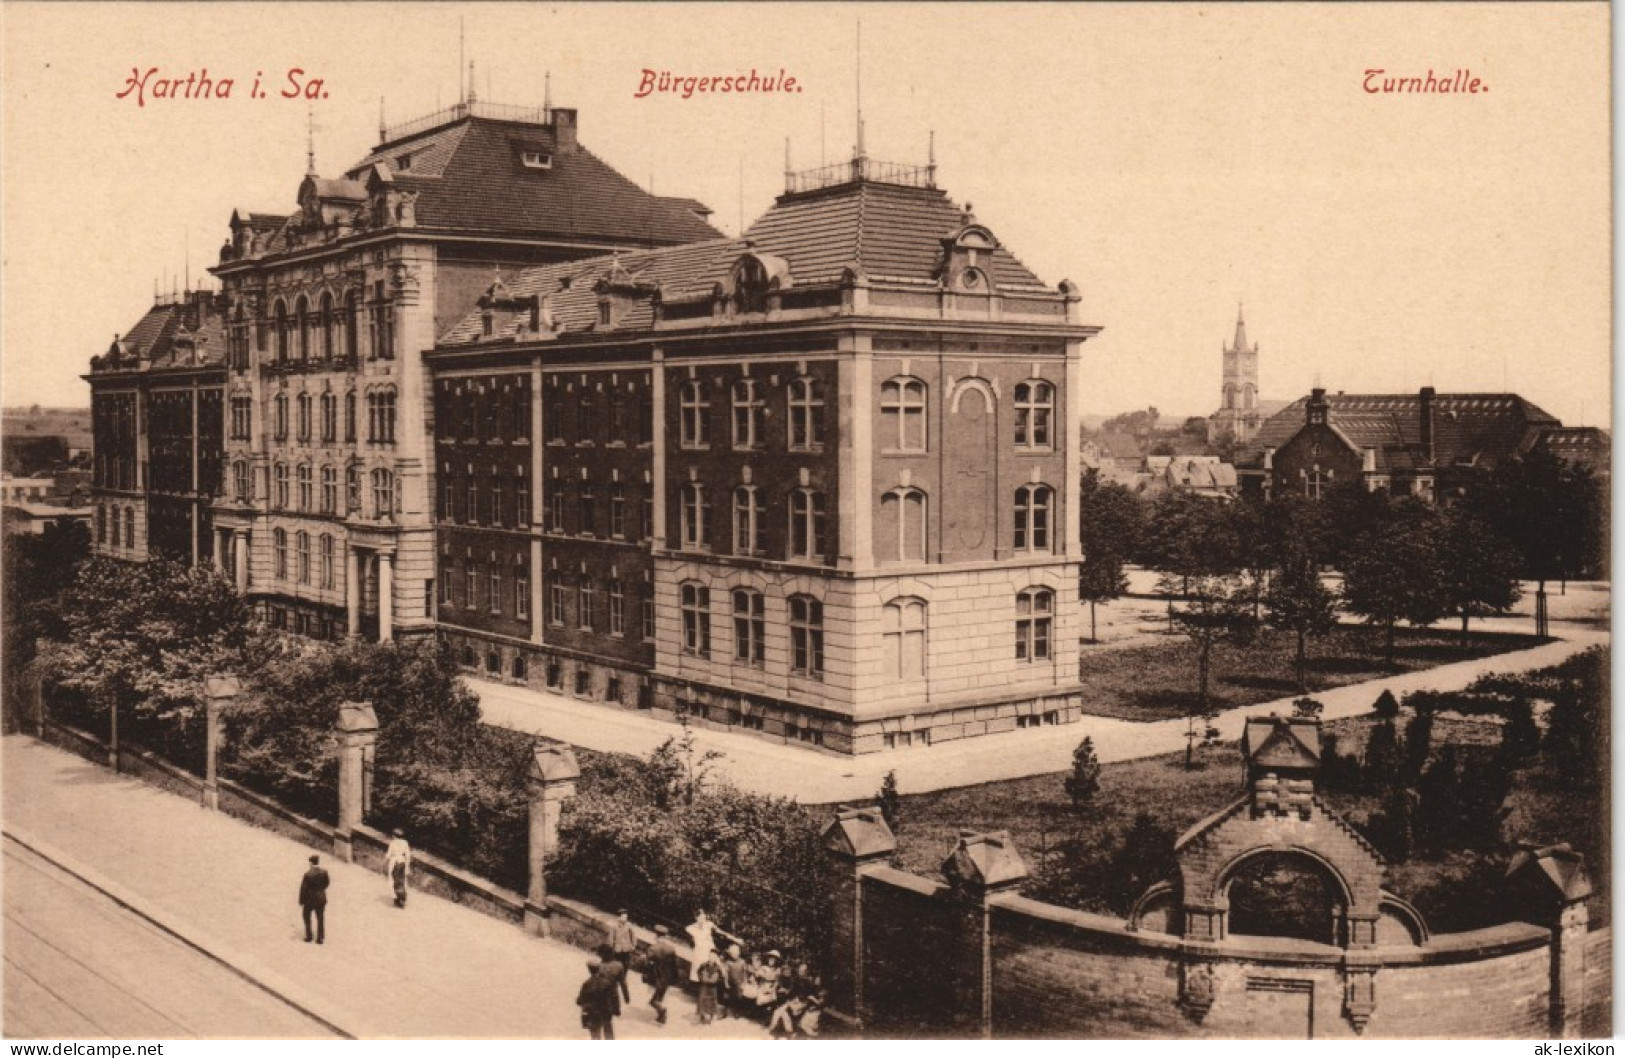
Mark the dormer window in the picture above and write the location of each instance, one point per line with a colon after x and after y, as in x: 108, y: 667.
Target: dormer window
x: 403, y: 162
x: 535, y: 160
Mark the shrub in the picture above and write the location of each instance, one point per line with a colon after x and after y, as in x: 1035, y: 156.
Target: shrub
x: 1083, y: 782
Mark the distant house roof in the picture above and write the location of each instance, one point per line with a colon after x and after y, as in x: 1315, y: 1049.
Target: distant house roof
x: 1469, y: 429
x: 1584, y: 445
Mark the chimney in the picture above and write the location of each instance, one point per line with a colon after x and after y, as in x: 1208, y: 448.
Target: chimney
x: 1315, y: 410
x: 564, y: 129
x: 1425, y: 415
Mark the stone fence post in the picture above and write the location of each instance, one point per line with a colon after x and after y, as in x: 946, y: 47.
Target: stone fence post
x: 980, y: 867
x: 1549, y: 887
x: 220, y: 692
x: 856, y: 843
x: 552, y: 781
x: 358, y: 733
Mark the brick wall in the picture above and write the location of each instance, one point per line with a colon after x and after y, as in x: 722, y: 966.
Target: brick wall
x: 1598, y: 1017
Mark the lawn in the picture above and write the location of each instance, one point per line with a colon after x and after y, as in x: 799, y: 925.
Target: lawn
x: 1157, y: 682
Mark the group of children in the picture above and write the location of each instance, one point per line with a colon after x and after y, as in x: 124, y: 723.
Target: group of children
x: 789, y: 997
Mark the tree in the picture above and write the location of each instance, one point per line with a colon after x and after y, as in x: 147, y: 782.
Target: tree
x: 1387, y: 706
x: 1520, y: 738
x: 1477, y: 568
x: 1084, y: 781
x: 1145, y: 857
x: 891, y: 805
x: 1392, y: 574
x: 1134, y: 423
x: 1300, y: 603
x: 1110, y: 516
x: 1384, y: 767
x: 1214, y: 612
x: 143, y: 636
x: 1418, y: 744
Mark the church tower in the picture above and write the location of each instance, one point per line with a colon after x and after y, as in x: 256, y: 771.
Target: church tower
x: 1238, y: 413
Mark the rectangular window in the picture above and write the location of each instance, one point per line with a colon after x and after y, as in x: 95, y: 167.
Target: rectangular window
x: 496, y: 589
x: 428, y: 597
x: 521, y: 595
x: 617, y: 510
x: 586, y: 602
x: 521, y: 502
x: 471, y: 580
x: 555, y: 598
x: 617, y: 609
x: 555, y: 506
x: 647, y: 615
x: 588, y: 507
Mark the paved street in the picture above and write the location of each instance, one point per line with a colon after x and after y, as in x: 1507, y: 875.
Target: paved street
x: 433, y: 970
x: 78, y: 965
x: 753, y: 763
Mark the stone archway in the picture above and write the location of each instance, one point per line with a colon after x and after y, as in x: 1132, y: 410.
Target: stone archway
x: 1285, y: 892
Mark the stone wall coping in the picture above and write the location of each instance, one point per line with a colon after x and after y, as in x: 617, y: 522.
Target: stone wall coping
x: 904, y: 880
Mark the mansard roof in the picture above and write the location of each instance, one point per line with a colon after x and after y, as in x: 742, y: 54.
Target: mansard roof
x: 178, y: 332
x: 471, y: 176
x: 890, y: 234
x: 890, y: 231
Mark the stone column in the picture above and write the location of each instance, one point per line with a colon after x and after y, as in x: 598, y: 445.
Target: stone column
x: 358, y: 732
x: 221, y: 691
x: 981, y: 867
x: 1549, y: 886
x: 386, y: 596
x: 239, y: 558
x: 352, y: 591
x: 855, y: 845
x: 552, y: 781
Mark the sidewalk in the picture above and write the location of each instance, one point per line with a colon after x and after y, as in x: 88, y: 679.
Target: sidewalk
x: 434, y: 970
x: 812, y: 777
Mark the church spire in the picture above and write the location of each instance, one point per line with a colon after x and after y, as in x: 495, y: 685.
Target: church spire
x: 1241, y: 331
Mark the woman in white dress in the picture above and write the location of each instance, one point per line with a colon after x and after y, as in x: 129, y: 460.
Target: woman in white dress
x: 703, y: 935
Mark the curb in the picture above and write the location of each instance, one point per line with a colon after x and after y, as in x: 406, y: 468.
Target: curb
x: 247, y: 968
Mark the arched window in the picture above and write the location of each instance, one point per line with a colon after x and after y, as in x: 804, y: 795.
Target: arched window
x: 806, y: 413
x: 352, y: 489
x: 695, y: 601
x: 1035, y: 405
x: 129, y: 527
x: 307, y: 500
x: 279, y: 494
x: 902, y: 415
x: 902, y: 629
x: 242, y: 481
x: 301, y: 323
x: 101, y: 524
x: 327, y: 327
x: 806, y: 636
x: 302, y: 550
x: 749, y: 521
x: 693, y: 515
x: 279, y: 416
x: 279, y: 320
x: 807, y: 524
x: 383, y: 323
x: 304, y: 416
x: 116, y: 537
x: 330, y: 418
x: 383, y: 494
x: 750, y: 286
x: 901, y: 526
x: 279, y: 549
x: 1032, y: 518
x: 695, y: 415
x: 330, y: 490
x: 349, y: 417
x: 381, y: 417
x: 747, y: 413
x: 327, y: 561
x: 750, y: 627
x: 1035, y: 608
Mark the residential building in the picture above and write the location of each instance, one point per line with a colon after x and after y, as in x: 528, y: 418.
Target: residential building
x: 813, y: 482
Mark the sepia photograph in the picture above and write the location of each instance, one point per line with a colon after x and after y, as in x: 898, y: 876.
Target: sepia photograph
x: 818, y: 521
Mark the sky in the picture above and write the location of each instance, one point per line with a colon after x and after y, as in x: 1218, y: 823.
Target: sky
x: 1174, y: 161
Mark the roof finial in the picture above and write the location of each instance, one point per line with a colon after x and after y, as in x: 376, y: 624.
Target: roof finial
x: 462, y: 84
x: 857, y: 151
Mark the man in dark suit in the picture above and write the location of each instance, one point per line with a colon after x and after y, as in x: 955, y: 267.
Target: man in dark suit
x: 313, y: 899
